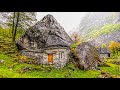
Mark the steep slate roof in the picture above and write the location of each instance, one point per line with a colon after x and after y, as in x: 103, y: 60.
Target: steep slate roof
x: 55, y: 41
x: 104, y: 51
x: 46, y: 33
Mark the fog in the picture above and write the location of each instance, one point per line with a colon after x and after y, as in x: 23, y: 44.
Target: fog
x: 69, y: 20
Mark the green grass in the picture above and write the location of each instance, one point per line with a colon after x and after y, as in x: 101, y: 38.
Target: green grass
x: 65, y: 72
x: 114, y: 69
x: 54, y: 73
x: 6, y: 32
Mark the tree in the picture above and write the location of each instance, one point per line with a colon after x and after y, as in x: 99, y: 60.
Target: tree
x: 26, y: 19
x: 103, y: 45
x: 13, y: 25
x: 114, y: 47
x: 16, y: 26
x: 18, y: 20
x: 75, y: 37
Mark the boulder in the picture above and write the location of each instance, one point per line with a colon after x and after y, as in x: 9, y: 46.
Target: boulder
x: 45, y: 33
x: 88, y: 56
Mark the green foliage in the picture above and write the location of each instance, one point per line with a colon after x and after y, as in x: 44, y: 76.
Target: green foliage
x: 26, y: 19
x: 114, y: 47
x: 103, y: 45
x: 15, y: 20
x: 74, y: 45
x: 7, y: 32
x: 108, y: 28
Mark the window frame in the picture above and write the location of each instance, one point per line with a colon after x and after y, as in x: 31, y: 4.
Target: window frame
x: 61, y: 53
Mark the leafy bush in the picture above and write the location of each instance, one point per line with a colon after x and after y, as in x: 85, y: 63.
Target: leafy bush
x: 114, y: 47
x: 103, y: 45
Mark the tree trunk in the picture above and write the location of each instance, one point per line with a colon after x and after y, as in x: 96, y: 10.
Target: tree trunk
x: 13, y: 25
x: 14, y: 34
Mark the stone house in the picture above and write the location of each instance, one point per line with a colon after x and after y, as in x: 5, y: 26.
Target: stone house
x: 104, y: 53
x: 47, y: 41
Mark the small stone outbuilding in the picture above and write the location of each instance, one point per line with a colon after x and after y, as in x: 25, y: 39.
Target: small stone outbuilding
x: 104, y: 53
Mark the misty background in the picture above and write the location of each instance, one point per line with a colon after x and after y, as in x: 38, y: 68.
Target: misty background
x: 69, y: 20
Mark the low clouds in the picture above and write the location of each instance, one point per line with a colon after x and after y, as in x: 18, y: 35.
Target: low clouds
x: 69, y: 20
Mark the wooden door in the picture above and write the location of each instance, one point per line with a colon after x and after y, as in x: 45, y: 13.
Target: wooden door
x: 50, y: 57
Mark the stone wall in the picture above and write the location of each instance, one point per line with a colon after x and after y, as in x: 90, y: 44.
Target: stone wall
x: 42, y: 57
x: 104, y: 56
x: 59, y: 62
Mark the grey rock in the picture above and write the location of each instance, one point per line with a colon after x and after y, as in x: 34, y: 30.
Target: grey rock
x: 88, y: 56
x: 45, y: 33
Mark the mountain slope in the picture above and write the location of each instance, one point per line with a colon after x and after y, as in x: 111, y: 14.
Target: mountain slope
x: 100, y: 27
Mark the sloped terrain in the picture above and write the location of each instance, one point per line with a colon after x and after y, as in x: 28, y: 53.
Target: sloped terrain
x: 100, y: 27
x: 17, y: 66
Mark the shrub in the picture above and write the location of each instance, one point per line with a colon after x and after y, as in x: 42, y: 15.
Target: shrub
x: 114, y: 47
x: 103, y: 45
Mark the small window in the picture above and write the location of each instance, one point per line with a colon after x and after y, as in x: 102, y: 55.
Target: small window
x: 61, y: 55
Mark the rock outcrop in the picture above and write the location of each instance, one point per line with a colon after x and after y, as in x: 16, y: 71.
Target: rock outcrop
x: 88, y: 56
x: 45, y: 33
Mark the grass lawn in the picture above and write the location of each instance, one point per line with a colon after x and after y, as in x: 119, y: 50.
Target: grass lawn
x: 114, y: 69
